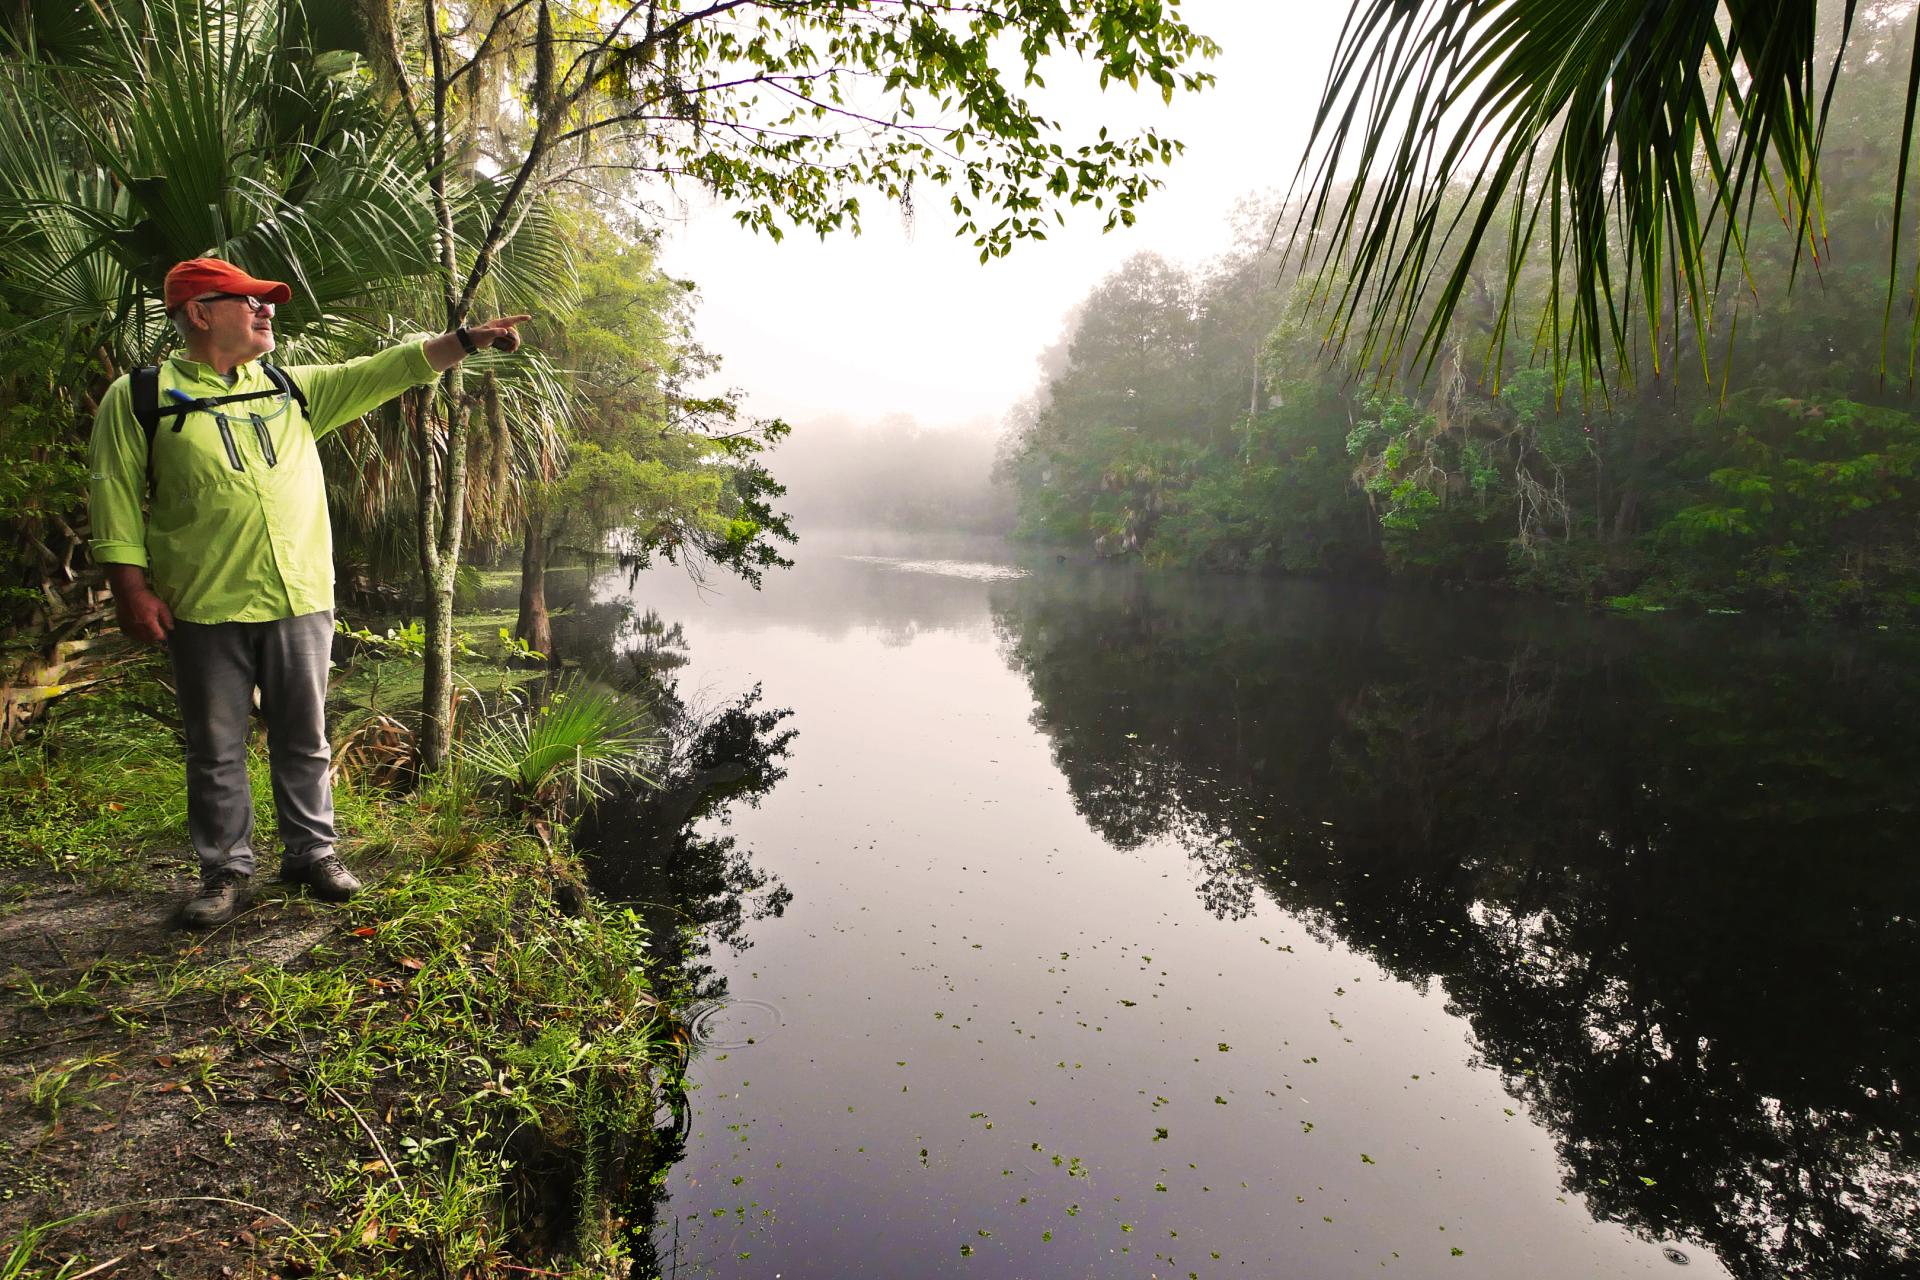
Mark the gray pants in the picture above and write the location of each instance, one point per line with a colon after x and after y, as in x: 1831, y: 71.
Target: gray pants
x: 216, y: 669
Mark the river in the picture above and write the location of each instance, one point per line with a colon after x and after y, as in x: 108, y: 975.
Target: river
x: 1082, y: 921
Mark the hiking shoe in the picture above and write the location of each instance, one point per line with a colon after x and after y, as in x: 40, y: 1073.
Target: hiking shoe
x: 221, y: 896
x: 326, y: 877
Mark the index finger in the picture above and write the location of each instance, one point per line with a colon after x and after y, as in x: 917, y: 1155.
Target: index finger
x: 510, y: 321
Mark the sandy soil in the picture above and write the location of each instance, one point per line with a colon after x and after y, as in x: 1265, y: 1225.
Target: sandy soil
x: 176, y: 1146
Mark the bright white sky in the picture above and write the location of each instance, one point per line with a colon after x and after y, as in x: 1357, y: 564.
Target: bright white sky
x: 897, y: 323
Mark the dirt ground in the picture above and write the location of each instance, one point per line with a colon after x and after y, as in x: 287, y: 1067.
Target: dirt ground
x: 140, y: 1132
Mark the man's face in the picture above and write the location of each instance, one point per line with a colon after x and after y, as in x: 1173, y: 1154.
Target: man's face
x: 234, y: 326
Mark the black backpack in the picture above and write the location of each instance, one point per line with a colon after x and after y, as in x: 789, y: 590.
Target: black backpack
x: 144, y: 384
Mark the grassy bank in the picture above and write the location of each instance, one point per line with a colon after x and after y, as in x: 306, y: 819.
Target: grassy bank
x: 440, y: 1078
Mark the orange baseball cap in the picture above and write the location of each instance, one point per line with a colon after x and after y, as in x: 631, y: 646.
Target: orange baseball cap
x: 196, y: 276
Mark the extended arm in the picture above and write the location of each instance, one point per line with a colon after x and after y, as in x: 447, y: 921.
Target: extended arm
x: 339, y: 393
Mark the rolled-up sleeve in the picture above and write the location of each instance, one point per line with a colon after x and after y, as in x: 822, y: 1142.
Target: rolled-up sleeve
x: 117, y: 481
x: 338, y: 393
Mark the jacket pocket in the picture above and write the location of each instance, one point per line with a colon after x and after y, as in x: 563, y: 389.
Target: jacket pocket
x: 226, y: 438
x: 265, y: 438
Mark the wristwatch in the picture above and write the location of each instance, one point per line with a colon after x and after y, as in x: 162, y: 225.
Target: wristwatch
x: 467, y: 343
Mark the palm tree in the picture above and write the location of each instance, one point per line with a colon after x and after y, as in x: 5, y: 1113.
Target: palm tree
x: 133, y: 137
x: 1628, y: 142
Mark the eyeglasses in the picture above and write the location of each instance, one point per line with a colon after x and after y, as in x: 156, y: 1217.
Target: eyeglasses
x: 253, y: 303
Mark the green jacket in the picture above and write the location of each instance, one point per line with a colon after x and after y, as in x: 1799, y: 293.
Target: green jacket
x: 240, y: 533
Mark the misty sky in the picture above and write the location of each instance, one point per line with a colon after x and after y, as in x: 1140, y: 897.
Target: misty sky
x: 894, y: 322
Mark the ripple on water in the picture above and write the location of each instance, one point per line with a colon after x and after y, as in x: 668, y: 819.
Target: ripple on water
x: 972, y: 570
x: 733, y: 1024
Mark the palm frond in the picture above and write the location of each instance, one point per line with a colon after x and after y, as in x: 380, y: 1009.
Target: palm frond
x: 185, y: 127
x: 1627, y: 141
x: 583, y: 740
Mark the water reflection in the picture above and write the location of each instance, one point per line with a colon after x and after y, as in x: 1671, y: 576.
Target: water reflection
x: 658, y: 851
x: 1665, y: 871
x: 665, y: 852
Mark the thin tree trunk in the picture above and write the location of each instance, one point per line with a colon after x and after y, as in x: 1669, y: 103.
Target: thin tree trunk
x: 534, y: 626
x: 439, y: 562
x: 443, y: 493
x: 444, y: 499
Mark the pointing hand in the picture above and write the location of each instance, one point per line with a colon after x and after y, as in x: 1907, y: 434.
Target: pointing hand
x: 499, y: 334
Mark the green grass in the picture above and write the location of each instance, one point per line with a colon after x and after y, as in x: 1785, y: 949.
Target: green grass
x: 99, y: 781
x: 458, y: 1001
x: 453, y: 1010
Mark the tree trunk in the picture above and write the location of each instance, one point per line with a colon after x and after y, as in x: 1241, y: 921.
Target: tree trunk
x: 1623, y: 517
x: 436, y: 694
x: 443, y: 469
x: 534, y: 626
x: 443, y: 503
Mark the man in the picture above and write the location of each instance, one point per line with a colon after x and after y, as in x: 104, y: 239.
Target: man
x: 240, y: 553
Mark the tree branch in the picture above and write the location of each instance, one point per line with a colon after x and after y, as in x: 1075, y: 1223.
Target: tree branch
x: 480, y: 50
x: 378, y: 13
x: 642, y: 111
x: 506, y: 214
x: 653, y: 36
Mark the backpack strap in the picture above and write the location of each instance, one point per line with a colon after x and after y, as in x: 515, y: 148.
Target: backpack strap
x: 283, y: 380
x: 144, y: 384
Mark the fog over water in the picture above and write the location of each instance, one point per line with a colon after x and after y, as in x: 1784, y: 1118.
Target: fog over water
x: 844, y: 475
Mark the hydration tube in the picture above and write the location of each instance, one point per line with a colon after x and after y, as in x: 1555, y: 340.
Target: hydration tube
x: 260, y: 431
x: 284, y: 401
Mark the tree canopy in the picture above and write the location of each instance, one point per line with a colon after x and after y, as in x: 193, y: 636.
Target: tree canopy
x: 404, y: 162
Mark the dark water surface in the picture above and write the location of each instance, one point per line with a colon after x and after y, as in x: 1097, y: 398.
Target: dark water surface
x: 1112, y: 925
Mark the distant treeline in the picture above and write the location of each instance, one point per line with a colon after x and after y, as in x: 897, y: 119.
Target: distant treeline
x: 1191, y: 417
x: 893, y: 474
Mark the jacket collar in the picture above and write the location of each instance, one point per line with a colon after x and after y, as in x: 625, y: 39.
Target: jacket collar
x: 190, y: 368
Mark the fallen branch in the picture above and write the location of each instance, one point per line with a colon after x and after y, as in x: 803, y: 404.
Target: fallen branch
x: 352, y: 1110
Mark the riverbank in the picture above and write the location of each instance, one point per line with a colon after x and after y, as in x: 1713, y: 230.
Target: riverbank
x: 442, y: 1077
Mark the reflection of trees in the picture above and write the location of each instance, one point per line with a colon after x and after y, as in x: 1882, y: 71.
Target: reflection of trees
x: 694, y: 888
x: 1665, y: 873
x: 655, y: 848
x: 642, y: 848
x: 660, y: 646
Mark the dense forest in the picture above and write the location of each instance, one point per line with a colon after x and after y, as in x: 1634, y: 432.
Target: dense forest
x: 1765, y: 458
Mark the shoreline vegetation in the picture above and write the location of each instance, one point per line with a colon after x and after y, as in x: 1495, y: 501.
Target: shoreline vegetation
x: 1760, y: 456
x: 458, y: 1073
